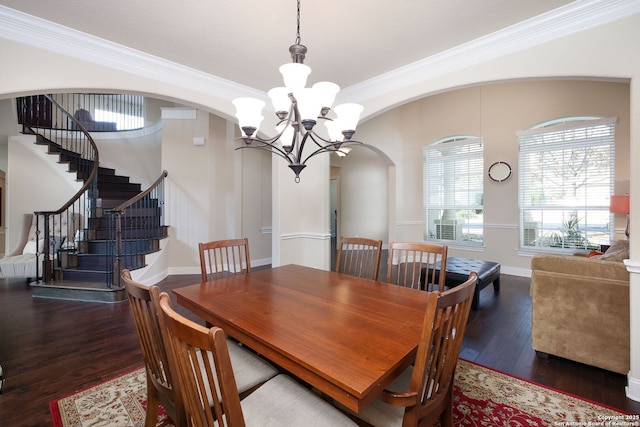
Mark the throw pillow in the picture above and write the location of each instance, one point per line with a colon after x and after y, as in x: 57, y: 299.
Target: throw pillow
x: 594, y: 253
x: 619, y: 251
x: 617, y: 245
x: 30, y: 247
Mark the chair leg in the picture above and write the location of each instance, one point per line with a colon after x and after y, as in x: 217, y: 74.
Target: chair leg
x: 446, y: 419
x: 151, y: 418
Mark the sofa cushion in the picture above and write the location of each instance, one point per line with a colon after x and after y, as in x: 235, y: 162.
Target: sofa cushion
x: 619, y: 251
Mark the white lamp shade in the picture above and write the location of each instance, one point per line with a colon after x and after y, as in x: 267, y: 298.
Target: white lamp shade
x: 249, y: 112
x: 343, y: 151
x: 294, y: 76
x: 287, y: 136
x: 335, y: 130
x: 308, y: 103
x: 280, y: 98
x: 326, y: 92
x: 348, y: 115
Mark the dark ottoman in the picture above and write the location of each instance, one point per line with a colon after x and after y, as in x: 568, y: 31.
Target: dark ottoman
x: 458, y: 270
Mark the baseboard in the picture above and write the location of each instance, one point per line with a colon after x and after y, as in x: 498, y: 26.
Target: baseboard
x: 633, y: 389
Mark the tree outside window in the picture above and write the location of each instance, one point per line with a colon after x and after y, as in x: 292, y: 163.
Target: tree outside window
x: 565, y: 182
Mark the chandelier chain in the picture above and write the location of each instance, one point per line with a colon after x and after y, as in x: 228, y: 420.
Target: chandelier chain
x: 298, y: 39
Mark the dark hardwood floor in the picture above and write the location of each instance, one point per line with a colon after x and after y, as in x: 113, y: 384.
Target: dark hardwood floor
x: 51, y: 348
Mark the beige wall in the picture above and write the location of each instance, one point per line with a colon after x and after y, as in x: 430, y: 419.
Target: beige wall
x: 34, y: 182
x: 495, y: 112
x: 363, y: 194
x: 206, y: 191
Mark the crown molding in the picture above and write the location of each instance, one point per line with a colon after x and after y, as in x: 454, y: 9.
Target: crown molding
x: 574, y: 17
x: 569, y: 19
x: 43, y: 34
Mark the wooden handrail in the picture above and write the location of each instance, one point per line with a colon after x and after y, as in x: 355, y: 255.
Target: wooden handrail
x: 120, y: 209
x: 94, y: 171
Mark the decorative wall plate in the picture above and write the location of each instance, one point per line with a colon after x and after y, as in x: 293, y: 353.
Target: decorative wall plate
x: 499, y: 171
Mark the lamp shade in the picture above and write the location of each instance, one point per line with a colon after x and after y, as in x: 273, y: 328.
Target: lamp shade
x: 249, y: 112
x: 280, y: 99
x: 326, y: 93
x: 309, y: 104
x: 294, y: 76
x: 348, y: 115
x: 335, y: 130
x: 619, y: 204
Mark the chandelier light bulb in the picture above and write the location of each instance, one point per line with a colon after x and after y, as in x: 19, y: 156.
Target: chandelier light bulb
x: 343, y: 151
x: 326, y: 92
x: 348, y: 115
x: 249, y: 112
x: 335, y: 130
x: 295, y: 76
x: 280, y: 99
x: 286, y: 137
x: 309, y: 103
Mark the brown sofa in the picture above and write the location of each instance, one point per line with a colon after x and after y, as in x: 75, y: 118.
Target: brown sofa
x: 580, y: 308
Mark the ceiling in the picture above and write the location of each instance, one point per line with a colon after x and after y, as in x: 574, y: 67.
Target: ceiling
x: 245, y: 41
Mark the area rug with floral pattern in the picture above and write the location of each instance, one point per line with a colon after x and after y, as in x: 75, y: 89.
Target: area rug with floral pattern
x: 482, y: 397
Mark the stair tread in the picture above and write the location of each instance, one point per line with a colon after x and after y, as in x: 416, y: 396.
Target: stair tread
x: 93, y: 269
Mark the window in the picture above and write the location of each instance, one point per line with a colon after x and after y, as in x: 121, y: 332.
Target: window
x: 565, y: 181
x: 453, y: 179
x: 122, y: 121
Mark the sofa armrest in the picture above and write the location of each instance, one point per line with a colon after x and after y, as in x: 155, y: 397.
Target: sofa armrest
x: 580, y: 266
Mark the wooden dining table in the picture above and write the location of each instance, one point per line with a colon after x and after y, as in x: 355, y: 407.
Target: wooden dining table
x: 348, y: 337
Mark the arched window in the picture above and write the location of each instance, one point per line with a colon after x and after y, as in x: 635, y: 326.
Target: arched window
x: 565, y: 181
x: 453, y: 190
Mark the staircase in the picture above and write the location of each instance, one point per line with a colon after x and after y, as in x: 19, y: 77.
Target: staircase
x: 115, y: 223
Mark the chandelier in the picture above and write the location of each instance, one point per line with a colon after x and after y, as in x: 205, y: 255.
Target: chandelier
x: 298, y: 110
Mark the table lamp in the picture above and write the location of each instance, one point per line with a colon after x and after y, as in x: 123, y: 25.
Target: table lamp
x: 620, y: 204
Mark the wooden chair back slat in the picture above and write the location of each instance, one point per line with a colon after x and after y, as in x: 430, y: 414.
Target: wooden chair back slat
x: 223, y: 258
x: 359, y: 257
x: 411, y: 263
x: 161, y: 387
x: 210, y: 393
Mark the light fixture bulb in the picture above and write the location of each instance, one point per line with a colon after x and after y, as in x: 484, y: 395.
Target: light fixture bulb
x: 335, y: 130
x: 343, y: 151
x: 294, y: 76
x: 326, y: 93
x: 348, y: 115
x: 308, y: 103
x: 280, y: 99
x: 286, y: 139
x: 249, y: 112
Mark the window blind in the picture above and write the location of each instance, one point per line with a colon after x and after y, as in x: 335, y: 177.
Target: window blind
x: 453, y: 185
x: 565, y: 181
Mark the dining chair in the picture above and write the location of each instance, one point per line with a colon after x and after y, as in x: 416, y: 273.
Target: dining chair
x: 162, y: 386
x: 223, y: 258
x: 423, y: 393
x: 411, y: 263
x: 281, y: 401
x: 359, y: 256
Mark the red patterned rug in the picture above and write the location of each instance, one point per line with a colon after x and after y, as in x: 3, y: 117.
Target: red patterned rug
x: 483, y: 397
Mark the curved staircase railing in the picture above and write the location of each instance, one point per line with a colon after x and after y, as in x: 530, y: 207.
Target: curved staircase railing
x: 54, y: 126
x: 135, y: 227
x: 88, y: 240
